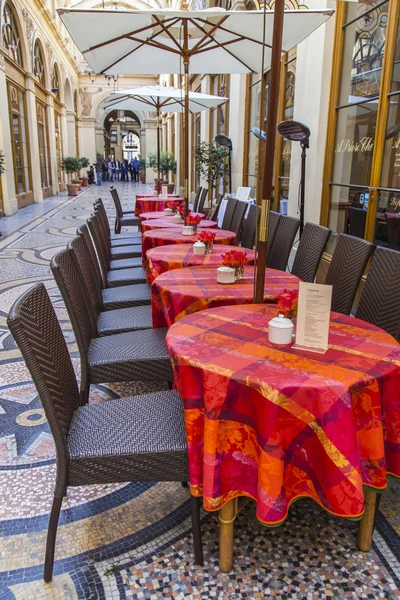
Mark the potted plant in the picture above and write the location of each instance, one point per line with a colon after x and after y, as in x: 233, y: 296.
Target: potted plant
x: 167, y: 165
x: 211, y: 163
x: 71, y: 165
x: 153, y: 164
x: 84, y: 162
x: 142, y: 169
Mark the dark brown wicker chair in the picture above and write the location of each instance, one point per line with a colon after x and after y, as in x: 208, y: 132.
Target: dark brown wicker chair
x: 202, y: 200
x: 274, y: 219
x: 110, y: 321
x: 134, y: 356
x: 309, y: 252
x: 347, y: 266
x: 122, y: 440
x: 393, y: 231
x: 132, y: 250
x: 380, y: 299
x: 197, y: 198
x: 357, y: 219
x: 214, y: 210
x: 135, y: 239
x: 230, y: 209
x: 283, y: 242
x: 250, y: 226
x: 122, y: 219
x: 117, y: 296
x: 237, y: 219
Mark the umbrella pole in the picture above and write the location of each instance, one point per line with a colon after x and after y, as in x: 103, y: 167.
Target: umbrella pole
x: 158, y: 150
x: 265, y: 202
x: 186, y: 131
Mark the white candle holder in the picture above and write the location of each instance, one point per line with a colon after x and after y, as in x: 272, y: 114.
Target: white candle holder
x: 199, y: 248
x: 280, y: 330
x: 225, y: 275
x: 168, y: 212
x: 177, y: 219
x: 187, y: 230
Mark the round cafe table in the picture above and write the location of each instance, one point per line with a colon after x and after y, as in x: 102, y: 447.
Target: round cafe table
x: 168, y: 258
x: 173, y: 235
x: 159, y: 215
x: 153, y: 203
x: 167, y: 222
x: 179, y: 293
x: 275, y: 423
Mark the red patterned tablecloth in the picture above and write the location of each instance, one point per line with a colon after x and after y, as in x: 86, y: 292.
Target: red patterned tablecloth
x: 167, y: 237
x: 179, y: 293
x: 159, y: 215
x: 168, y: 258
x: 168, y: 222
x: 274, y: 423
x: 152, y: 203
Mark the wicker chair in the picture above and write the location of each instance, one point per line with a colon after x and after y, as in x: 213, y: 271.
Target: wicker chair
x: 393, y: 231
x: 132, y: 250
x: 197, y: 198
x: 214, y: 210
x: 274, y: 219
x: 347, y: 266
x: 380, y: 299
x: 202, y: 200
x: 134, y: 356
x: 122, y: 219
x: 357, y: 219
x: 237, y: 219
x: 114, y: 240
x: 122, y: 440
x: 230, y: 209
x: 283, y: 242
x: 250, y: 226
x: 110, y: 321
x: 114, y: 297
x: 309, y: 252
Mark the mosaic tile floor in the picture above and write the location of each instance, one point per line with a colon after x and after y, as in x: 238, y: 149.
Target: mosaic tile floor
x: 133, y: 540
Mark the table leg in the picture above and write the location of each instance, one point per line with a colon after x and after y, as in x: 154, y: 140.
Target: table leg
x: 227, y: 516
x: 367, y: 522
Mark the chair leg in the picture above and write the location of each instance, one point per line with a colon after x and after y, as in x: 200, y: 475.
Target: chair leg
x: 51, y: 538
x: 198, y: 546
x: 117, y: 226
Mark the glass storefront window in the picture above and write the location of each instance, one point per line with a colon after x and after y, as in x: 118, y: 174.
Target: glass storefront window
x: 254, y: 121
x: 44, y: 155
x: 286, y: 153
x: 10, y: 35
x: 57, y: 122
x: 19, y: 139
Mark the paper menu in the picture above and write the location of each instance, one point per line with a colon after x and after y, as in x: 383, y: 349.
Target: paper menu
x: 313, y: 317
x: 164, y: 192
x: 243, y: 193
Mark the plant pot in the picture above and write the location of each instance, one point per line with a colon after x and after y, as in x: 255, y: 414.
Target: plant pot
x: 84, y: 181
x: 171, y: 187
x: 77, y: 182
x: 73, y: 189
x: 159, y: 183
x: 142, y: 178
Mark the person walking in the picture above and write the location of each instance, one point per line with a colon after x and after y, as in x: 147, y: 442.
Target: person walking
x: 111, y: 169
x: 99, y: 168
x: 136, y: 167
x: 117, y: 170
x: 104, y: 170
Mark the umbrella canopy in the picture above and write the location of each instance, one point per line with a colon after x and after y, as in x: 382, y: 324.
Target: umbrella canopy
x: 160, y: 97
x: 120, y: 41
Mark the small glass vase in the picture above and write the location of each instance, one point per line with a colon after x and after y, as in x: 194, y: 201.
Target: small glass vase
x: 239, y: 272
x: 209, y: 247
x: 195, y: 228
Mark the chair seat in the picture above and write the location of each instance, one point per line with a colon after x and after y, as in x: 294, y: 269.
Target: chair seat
x: 134, y: 356
x: 129, y: 439
x: 129, y: 220
x: 124, y: 319
x: 132, y: 235
x: 126, y: 252
x: 126, y: 296
x: 126, y: 277
x: 135, y: 244
x: 125, y: 263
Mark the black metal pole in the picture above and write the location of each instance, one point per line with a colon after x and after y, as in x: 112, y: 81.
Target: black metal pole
x: 302, y: 185
x: 230, y: 171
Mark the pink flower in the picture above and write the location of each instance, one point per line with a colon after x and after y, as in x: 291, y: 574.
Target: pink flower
x: 287, y: 302
x: 234, y: 258
x: 193, y: 219
x: 206, y: 236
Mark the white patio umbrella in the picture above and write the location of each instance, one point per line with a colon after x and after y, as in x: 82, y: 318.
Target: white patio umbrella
x: 161, y: 98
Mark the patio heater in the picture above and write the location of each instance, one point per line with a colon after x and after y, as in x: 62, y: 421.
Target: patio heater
x: 259, y: 133
x: 223, y: 140
x: 294, y: 131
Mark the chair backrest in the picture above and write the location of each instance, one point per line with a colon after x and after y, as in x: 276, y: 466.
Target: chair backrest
x: 83, y: 230
x: 104, y: 226
x: 380, y: 299
x: 230, y: 209
x: 102, y: 248
x: 84, y: 264
x: 274, y: 219
x: 393, y: 231
x: 348, y: 263
x: 250, y: 225
x: 117, y: 202
x: 309, y: 251
x: 77, y: 304
x: 357, y: 219
x: 283, y: 242
x: 214, y: 210
x: 33, y: 323
x: 238, y: 216
x: 202, y: 200
x: 100, y: 208
x: 197, y: 198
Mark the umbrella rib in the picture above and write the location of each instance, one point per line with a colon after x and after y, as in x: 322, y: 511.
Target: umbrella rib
x: 150, y: 42
x: 165, y: 29
x: 207, y: 33
x: 221, y: 45
x: 117, y: 39
x: 240, y: 35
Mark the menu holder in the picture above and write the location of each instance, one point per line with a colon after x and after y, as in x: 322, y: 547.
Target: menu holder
x: 243, y: 193
x: 313, y: 317
x: 164, y: 192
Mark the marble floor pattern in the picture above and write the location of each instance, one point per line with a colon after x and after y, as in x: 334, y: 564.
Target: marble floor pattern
x: 133, y: 540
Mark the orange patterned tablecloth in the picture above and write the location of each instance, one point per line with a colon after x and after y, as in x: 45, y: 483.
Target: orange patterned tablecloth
x: 168, y: 222
x: 152, y: 203
x: 159, y: 215
x: 167, y: 237
x: 168, y: 258
x: 274, y: 423
x: 179, y: 293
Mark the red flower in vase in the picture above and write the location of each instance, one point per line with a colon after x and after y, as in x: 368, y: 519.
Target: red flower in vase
x: 207, y: 237
x: 192, y: 219
x: 287, y: 303
x: 234, y: 258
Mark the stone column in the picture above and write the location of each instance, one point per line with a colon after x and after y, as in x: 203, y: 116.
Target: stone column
x: 99, y: 143
x: 237, y: 102
x: 71, y: 140
x: 52, y: 144
x: 151, y: 146
x: 64, y: 131
x: 10, y: 204
x: 33, y: 139
x: 87, y: 138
